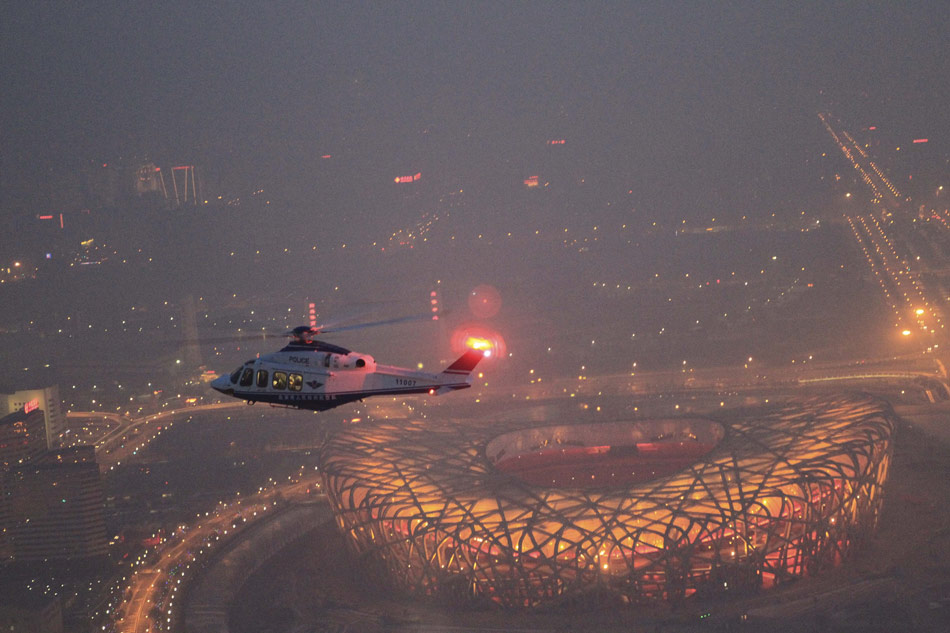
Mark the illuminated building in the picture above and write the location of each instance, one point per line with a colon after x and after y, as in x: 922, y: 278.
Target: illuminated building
x: 44, y: 398
x: 401, y: 180
x: 639, y: 510
x: 22, y: 438
x: 149, y: 180
x: 54, y: 507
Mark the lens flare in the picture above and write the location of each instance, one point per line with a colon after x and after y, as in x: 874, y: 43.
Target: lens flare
x: 484, y: 301
x: 478, y: 337
x: 480, y: 344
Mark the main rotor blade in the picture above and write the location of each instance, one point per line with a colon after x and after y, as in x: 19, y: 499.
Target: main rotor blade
x: 246, y: 337
x: 360, y: 326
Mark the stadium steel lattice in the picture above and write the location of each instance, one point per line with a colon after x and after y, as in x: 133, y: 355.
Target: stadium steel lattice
x: 635, y: 510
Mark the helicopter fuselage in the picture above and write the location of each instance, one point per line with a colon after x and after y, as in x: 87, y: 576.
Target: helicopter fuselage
x: 317, y: 376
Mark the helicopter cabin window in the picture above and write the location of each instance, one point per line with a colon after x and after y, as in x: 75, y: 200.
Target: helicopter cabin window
x: 326, y: 360
x: 247, y: 377
x: 235, y: 375
x: 295, y: 382
x: 262, y: 378
x: 280, y: 380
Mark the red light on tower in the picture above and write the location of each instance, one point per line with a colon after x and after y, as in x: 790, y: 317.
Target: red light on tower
x: 434, y: 304
x: 313, y: 314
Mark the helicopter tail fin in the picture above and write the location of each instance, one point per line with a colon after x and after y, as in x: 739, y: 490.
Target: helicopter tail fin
x: 458, y: 375
x: 465, y: 363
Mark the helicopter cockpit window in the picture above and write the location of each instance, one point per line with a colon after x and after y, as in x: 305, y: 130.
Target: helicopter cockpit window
x: 235, y: 375
x: 326, y: 360
x: 280, y: 380
x: 262, y: 378
x: 247, y: 377
x: 295, y: 382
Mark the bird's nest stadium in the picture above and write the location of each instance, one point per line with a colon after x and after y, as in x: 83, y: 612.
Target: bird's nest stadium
x: 632, y: 511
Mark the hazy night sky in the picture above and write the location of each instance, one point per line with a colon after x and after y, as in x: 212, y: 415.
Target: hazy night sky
x: 681, y: 97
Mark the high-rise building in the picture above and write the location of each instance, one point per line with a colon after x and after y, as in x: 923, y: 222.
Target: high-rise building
x: 47, y: 400
x: 22, y: 438
x: 54, y: 507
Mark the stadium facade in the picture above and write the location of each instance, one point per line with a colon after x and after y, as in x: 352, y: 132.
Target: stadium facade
x: 632, y: 511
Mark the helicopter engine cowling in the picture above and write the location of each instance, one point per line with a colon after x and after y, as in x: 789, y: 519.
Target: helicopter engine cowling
x: 357, y: 361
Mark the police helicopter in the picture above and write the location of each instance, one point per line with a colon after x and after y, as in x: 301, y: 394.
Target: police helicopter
x: 316, y: 375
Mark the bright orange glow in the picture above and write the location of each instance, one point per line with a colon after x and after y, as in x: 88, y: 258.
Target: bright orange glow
x: 919, y: 311
x: 905, y: 333
x: 481, y: 344
x: 475, y: 336
x: 802, y: 520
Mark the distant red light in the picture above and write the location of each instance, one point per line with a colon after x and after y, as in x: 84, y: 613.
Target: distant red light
x: 920, y: 140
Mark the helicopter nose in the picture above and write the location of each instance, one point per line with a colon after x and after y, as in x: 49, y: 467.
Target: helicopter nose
x: 222, y: 384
